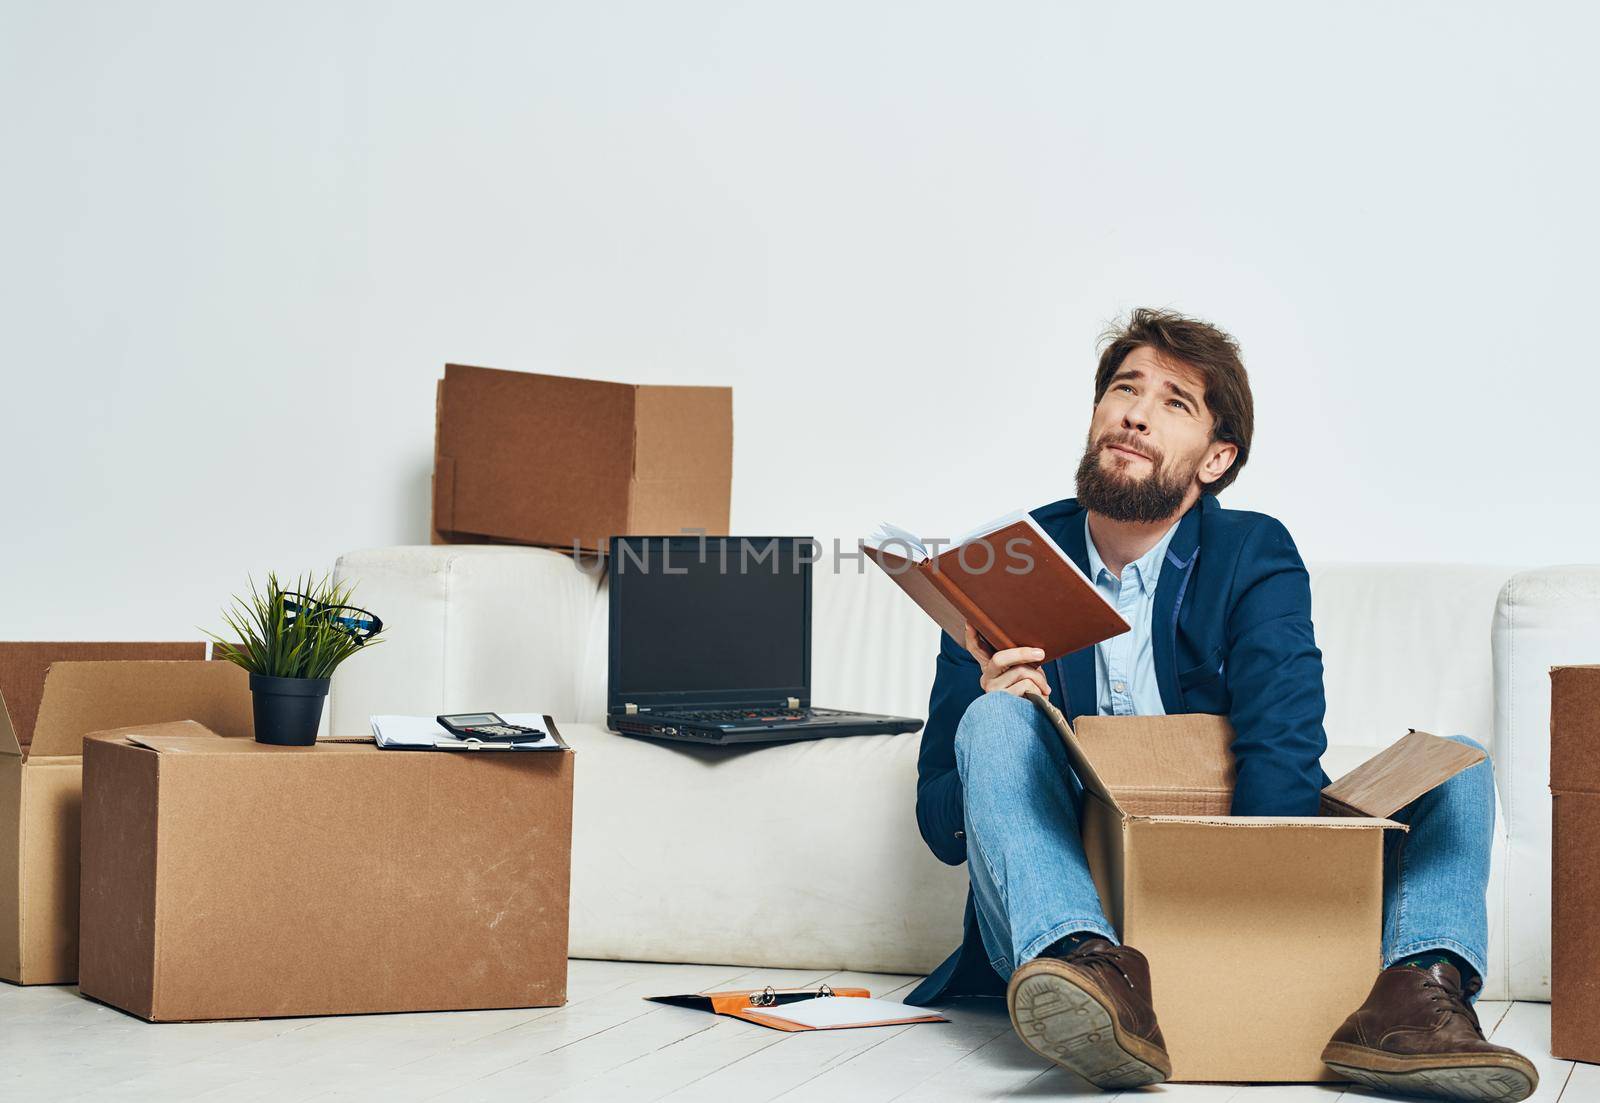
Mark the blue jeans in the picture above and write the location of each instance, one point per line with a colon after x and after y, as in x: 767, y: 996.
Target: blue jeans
x: 1030, y: 878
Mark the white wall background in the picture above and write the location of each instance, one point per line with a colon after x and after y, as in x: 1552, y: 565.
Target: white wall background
x: 241, y: 240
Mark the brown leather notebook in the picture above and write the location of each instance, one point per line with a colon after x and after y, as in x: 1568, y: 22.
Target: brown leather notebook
x: 1008, y: 579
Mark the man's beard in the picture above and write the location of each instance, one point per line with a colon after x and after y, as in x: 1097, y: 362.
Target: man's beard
x: 1121, y: 497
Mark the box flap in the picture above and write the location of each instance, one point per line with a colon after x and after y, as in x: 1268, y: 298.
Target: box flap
x: 1332, y: 823
x: 1141, y: 759
x: 444, y: 475
x: 444, y: 494
x: 84, y: 697
x: 8, y: 736
x: 23, y: 666
x: 1075, y: 753
x: 1393, y: 778
x: 185, y: 737
x: 1575, y: 729
x: 174, y: 733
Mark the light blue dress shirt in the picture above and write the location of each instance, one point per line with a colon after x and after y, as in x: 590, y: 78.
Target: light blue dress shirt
x: 1125, y: 665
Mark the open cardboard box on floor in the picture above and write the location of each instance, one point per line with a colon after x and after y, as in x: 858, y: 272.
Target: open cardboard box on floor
x: 1262, y: 933
x: 567, y: 463
x: 54, y: 694
x: 229, y: 879
x: 1575, y: 836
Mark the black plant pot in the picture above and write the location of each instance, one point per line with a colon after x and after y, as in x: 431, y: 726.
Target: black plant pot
x: 288, y: 710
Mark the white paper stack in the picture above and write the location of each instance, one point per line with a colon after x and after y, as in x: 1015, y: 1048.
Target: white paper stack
x: 834, y: 1012
x: 426, y: 733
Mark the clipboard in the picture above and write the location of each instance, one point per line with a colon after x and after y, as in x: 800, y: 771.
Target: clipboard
x: 424, y: 733
x: 764, y: 1006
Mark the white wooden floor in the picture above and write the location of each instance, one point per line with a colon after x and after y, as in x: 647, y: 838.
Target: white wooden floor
x: 607, y: 1043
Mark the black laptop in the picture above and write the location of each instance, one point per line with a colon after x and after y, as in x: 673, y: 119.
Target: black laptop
x: 711, y: 642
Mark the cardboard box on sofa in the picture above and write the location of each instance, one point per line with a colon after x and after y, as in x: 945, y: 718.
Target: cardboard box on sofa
x: 543, y: 459
x: 225, y: 879
x: 1575, y: 851
x: 47, y: 709
x: 1262, y: 933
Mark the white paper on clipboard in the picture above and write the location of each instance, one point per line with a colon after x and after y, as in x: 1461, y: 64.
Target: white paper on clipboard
x: 833, y: 1012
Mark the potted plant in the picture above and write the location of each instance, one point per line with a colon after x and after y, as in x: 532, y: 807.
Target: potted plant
x: 290, y: 640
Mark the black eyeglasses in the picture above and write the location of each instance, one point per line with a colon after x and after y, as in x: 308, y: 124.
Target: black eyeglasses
x: 357, y: 622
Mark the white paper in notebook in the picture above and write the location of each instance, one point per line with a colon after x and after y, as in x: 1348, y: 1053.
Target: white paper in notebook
x: 426, y: 732
x: 828, y: 1011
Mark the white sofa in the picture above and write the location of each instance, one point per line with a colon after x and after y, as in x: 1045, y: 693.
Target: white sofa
x: 807, y: 855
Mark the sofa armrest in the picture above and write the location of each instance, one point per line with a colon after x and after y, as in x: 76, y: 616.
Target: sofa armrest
x: 1544, y: 618
x: 466, y: 627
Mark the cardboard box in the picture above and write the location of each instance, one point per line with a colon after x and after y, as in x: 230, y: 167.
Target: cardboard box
x: 542, y: 459
x: 225, y: 879
x: 1575, y: 851
x: 23, y: 667
x: 51, y: 706
x: 1262, y: 933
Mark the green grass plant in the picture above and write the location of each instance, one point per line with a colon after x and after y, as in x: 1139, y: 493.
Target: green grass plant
x: 271, y: 641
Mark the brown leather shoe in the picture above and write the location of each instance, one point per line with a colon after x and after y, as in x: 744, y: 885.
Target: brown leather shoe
x: 1418, y: 1035
x: 1090, y: 1012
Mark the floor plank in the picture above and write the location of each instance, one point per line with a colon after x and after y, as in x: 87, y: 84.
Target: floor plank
x: 771, y: 1069
x: 997, y: 1068
x: 607, y: 1043
x: 1490, y: 1012
x: 1583, y: 1085
x: 648, y: 1027
x: 1525, y: 1027
x: 910, y: 1058
x: 541, y: 1057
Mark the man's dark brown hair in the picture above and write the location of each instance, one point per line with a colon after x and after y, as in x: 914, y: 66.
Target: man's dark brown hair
x: 1208, y: 351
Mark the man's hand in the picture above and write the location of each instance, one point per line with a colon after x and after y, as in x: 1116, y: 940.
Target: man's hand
x: 1015, y: 670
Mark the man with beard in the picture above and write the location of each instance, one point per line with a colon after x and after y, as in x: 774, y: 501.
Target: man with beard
x: 1220, y: 608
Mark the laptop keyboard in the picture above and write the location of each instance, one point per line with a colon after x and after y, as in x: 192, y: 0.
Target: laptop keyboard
x: 748, y: 716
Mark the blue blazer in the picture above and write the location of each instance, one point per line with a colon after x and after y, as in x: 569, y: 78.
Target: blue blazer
x: 1232, y: 636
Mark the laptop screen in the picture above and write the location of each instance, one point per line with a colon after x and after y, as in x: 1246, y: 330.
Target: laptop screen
x: 709, y: 620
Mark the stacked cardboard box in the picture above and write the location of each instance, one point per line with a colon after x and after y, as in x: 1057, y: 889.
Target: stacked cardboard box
x: 48, y: 708
x: 567, y: 463
x: 225, y: 878
x: 1575, y: 848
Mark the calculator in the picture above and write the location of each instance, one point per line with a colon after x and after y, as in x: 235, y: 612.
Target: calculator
x: 486, y: 727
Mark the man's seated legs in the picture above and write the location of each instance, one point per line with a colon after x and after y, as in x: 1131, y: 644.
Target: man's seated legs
x: 1436, y: 875
x: 1030, y: 878
x: 1417, y: 1032
x: 1075, y: 996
